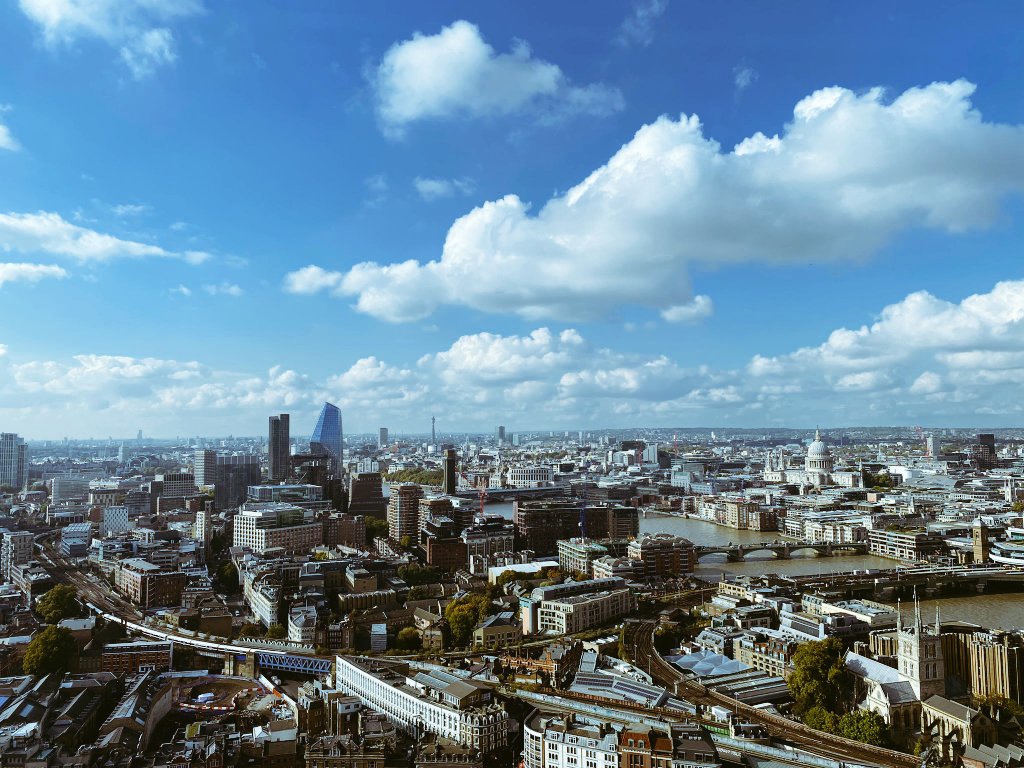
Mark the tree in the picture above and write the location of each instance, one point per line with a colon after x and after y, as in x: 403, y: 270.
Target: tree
x: 218, y: 543
x: 820, y: 677
x: 505, y: 578
x: 376, y: 528
x: 61, y: 602
x: 415, y: 574
x: 418, y: 476
x: 51, y: 650
x: 864, y: 726
x: 250, y: 629
x: 821, y: 719
x: 405, y: 541
x: 227, y: 577
x: 276, y: 632
x: 464, y: 614
x: 419, y: 593
x: 408, y: 639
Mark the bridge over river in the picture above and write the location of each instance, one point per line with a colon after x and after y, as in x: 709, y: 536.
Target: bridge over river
x: 782, y: 550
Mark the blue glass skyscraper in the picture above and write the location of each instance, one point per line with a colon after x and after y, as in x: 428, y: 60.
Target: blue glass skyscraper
x: 327, y: 434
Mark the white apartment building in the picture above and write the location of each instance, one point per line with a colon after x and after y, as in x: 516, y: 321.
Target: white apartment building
x: 461, y: 710
x: 302, y: 624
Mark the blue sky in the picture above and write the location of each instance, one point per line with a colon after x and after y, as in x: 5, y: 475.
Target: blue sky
x: 579, y: 216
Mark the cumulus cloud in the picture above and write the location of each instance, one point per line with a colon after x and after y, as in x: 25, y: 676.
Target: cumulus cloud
x: 29, y: 273
x: 847, y: 174
x: 923, y: 360
x: 456, y: 73
x: 698, y: 309
x: 50, y: 233
x: 638, y: 28
x: 434, y: 189
x: 137, y: 29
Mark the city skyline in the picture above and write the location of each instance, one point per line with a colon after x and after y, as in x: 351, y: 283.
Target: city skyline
x: 665, y: 215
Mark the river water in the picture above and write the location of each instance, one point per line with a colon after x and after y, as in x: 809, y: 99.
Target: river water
x: 995, y: 610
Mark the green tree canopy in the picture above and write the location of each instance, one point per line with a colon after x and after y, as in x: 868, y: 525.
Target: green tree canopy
x: 464, y: 614
x: 864, y: 726
x: 276, y: 632
x: 227, y: 577
x: 418, y: 476
x: 61, y: 602
x: 408, y: 639
x: 419, y: 593
x: 820, y: 677
x: 250, y: 629
x: 415, y: 574
x: 51, y: 650
x: 376, y: 528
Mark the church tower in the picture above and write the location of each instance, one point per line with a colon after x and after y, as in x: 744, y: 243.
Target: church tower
x: 919, y: 653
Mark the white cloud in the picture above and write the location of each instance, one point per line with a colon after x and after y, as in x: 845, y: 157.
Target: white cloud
x: 434, y: 189
x: 29, y: 273
x: 182, y: 290
x: 896, y: 370
x: 7, y: 140
x: 311, y: 279
x: 130, y: 209
x: 50, y: 233
x: 701, y: 307
x: 849, y: 173
x: 744, y: 77
x: 638, y: 28
x: 224, y: 289
x: 456, y: 73
x: 136, y: 28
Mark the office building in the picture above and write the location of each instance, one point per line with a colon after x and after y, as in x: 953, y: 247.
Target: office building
x: 148, y: 585
x: 451, y: 471
x: 75, y: 539
x: 202, y: 528
x: 15, y: 549
x: 576, y: 613
x: 68, y: 488
x: 266, y: 526
x: 13, y: 460
x: 382, y: 437
x: 115, y: 520
x: 366, y: 495
x: 530, y: 605
x: 204, y: 467
x: 462, y: 710
x: 663, y: 554
x: 542, y: 523
x: 279, y: 448
x: 530, y: 476
x: 327, y: 438
x: 177, y: 485
x: 136, y: 656
x: 441, y: 539
x: 560, y: 741
x: 500, y: 435
x: 404, y: 511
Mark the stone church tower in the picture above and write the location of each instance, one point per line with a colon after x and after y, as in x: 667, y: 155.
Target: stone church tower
x: 919, y: 653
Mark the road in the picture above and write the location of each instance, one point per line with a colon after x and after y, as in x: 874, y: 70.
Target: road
x: 640, y: 641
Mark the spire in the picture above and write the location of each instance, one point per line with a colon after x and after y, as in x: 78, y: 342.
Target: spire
x: 899, y: 617
x: 938, y: 630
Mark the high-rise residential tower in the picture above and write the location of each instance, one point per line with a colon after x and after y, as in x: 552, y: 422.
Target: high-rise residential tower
x: 12, y: 460
x: 382, y: 437
x: 327, y: 434
x: 278, y: 447
x: 499, y: 434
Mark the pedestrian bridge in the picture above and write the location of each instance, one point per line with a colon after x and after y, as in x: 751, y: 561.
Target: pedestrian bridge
x: 782, y: 550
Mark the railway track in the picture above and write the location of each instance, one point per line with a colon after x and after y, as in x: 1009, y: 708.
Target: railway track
x: 640, y: 641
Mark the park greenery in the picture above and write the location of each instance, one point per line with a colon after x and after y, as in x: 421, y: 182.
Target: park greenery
x: 408, y: 639
x: 376, y: 528
x: 51, y: 650
x: 418, y: 476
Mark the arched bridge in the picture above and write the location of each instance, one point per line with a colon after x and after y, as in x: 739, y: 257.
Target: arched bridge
x: 782, y: 550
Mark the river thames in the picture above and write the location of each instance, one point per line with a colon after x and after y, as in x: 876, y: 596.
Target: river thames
x: 997, y: 610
